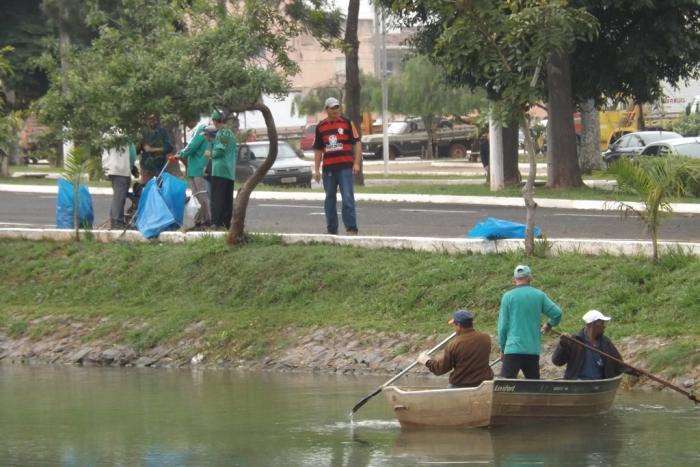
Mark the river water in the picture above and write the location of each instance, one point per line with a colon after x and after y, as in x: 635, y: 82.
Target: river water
x: 68, y: 416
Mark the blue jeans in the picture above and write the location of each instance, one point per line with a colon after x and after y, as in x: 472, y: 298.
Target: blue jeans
x: 331, y: 181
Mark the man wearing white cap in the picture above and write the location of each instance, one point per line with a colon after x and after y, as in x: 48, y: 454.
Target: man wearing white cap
x: 583, y: 363
x: 337, y: 145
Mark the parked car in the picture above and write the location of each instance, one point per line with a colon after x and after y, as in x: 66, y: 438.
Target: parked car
x: 632, y: 144
x: 680, y: 147
x: 409, y: 137
x: 306, y: 143
x: 288, y: 169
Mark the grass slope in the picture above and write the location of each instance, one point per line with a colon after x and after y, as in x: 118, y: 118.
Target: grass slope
x: 145, y: 294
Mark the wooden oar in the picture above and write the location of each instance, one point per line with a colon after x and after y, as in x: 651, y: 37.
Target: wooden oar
x: 379, y: 389
x: 639, y: 370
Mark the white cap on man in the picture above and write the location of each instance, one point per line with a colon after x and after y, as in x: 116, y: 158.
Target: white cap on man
x: 332, y: 102
x: 592, y: 316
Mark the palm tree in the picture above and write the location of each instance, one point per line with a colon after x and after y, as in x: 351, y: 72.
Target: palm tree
x: 75, y: 169
x: 654, y: 180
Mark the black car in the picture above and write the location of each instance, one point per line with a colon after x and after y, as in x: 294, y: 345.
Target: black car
x: 632, y: 144
x: 288, y: 169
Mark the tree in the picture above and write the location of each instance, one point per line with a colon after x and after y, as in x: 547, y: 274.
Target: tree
x: 175, y: 60
x: 503, y: 47
x: 352, y: 73
x: 639, y: 45
x: 654, y: 180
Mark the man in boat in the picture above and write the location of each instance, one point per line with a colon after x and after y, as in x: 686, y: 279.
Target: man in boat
x: 519, y: 325
x: 583, y: 363
x: 467, y: 355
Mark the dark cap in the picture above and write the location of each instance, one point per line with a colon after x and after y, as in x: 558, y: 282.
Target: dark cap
x: 462, y: 317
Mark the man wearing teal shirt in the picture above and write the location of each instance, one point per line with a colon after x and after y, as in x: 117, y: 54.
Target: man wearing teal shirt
x: 223, y: 154
x: 519, y: 325
x: 193, y: 157
x: 154, y: 146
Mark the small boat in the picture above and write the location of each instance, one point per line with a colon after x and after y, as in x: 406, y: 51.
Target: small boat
x: 501, y: 401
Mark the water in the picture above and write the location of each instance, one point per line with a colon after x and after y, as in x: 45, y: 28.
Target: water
x: 63, y: 416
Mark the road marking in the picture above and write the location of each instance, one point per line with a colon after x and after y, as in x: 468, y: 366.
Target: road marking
x: 588, y: 215
x: 440, y: 211
x: 288, y: 206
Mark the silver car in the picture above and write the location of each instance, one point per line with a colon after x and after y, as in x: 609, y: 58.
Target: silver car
x: 289, y: 169
x: 689, y: 147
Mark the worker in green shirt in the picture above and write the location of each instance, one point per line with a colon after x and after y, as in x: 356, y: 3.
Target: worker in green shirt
x: 195, y: 161
x: 223, y: 154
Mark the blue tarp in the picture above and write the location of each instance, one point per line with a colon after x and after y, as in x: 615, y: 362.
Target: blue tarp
x: 64, y: 206
x: 493, y: 229
x: 162, y: 205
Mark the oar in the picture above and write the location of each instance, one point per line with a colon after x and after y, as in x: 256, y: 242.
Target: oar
x: 379, y: 389
x: 639, y: 370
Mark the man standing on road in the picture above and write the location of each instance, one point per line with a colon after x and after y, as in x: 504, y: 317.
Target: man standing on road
x: 337, y: 144
x: 467, y: 355
x: 223, y: 155
x: 519, y: 325
x: 154, y: 147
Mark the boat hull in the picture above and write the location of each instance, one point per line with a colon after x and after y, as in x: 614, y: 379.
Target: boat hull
x: 522, y: 398
x: 501, y: 401
x: 459, y: 407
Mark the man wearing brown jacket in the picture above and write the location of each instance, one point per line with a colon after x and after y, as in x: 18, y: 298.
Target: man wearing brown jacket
x: 467, y: 355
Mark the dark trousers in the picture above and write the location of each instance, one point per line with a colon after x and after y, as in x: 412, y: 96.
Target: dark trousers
x: 120, y: 187
x: 514, y: 362
x: 221, y: 201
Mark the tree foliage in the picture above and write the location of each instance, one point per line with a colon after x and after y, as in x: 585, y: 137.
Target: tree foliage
x: 25, y: 29
x: 640, y: 44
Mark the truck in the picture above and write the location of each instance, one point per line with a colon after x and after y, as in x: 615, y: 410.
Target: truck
x: 408, y: 137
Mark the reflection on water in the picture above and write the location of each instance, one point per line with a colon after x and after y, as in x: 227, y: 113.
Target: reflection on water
x: 152, y: 418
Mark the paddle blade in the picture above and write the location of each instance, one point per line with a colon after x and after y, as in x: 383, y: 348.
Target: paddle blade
x: 365, y: 400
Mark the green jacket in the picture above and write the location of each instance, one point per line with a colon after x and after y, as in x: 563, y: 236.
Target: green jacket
x: 519, y: 319
x: 193, y: 153
x: 224, y: 154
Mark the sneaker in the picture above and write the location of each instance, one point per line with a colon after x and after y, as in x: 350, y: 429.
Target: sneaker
x: 332, y: 232
x: 351, y: 232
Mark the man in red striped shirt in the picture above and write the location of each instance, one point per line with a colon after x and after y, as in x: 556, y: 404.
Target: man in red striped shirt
x: 337, y: 145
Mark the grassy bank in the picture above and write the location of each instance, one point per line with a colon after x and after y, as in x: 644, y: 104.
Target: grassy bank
x: 147, y: 294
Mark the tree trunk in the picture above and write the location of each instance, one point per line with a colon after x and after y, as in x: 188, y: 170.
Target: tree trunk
x: 590, y: 138
x: 562, y: 162
x: 529, y: 191
x: 511, y: 172
x: 352, y: 74
x: 236, y: 233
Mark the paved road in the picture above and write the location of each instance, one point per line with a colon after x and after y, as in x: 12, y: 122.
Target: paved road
x: 390, y: 219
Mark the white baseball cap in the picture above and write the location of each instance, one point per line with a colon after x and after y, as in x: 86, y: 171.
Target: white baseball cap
x: 331, y: 102
x: 594, y: 315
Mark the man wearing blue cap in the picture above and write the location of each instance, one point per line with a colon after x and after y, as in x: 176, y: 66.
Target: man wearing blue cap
x: 467, y: 355
x: 519, y: 325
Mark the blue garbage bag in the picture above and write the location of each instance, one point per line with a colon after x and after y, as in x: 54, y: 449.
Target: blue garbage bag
x: 492, y: 229
x: 174, y: 193
x: 65, y: 202
x: 153, y: 215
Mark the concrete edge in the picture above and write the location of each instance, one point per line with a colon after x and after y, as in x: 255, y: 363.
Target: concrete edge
x: 435, y: 245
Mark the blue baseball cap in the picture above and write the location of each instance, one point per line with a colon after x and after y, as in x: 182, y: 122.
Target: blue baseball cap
x: 462, y: 317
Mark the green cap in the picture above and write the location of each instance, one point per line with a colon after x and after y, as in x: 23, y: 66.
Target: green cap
x: 216, y: 115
